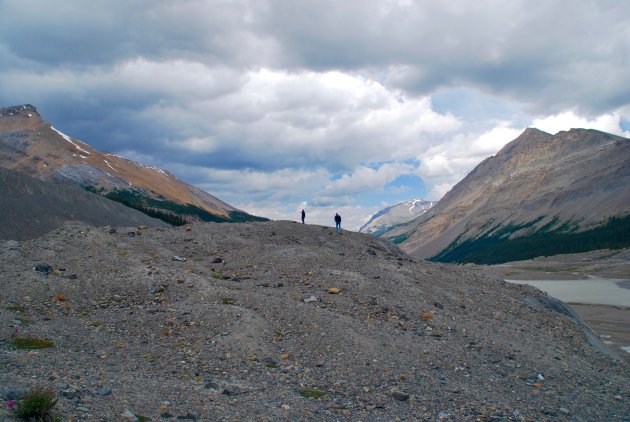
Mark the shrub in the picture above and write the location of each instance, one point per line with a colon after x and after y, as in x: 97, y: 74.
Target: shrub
x: 311, y: 394
x: 32, y: 343
x: 16, y: 308
x: 38, y: 403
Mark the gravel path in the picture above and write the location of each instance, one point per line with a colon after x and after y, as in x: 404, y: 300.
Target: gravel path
x: 284, y: 321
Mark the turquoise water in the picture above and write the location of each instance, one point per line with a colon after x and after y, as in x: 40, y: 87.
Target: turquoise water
x: 593, y: 291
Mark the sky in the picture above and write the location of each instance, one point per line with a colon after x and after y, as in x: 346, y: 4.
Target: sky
x: 345, y: 106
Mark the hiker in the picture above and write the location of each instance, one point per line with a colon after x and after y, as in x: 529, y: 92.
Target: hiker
x: 338, y: 223
x: 303, y: 216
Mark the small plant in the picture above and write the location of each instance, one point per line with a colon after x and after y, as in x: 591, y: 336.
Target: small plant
x: 217, y: 276
x: 96, y: 324
x: 16, y: 308
x: 311, y: 394
x: 32, y: 343
x: 228, y: 301
x: 38, y: 403
x: 24, y: 320
x: 278, y: 336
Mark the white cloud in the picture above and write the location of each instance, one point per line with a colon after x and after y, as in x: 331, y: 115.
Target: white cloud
x: 610, y: 123
x: 365, y: 179
x: 280, y: 119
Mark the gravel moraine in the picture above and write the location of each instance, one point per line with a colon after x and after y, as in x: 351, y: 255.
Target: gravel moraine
x: 283, y: 321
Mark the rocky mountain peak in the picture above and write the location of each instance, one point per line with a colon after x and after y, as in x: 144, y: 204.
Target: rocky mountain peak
x: 19, y: 110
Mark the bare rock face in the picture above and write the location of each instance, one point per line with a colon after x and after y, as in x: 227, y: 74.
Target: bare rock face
x: 211, y: 322
x: 31, y: 146
x: 390, y: 217
x: 565, y: 183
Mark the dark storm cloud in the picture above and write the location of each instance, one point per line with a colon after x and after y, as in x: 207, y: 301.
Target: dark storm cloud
x: 530, y: 51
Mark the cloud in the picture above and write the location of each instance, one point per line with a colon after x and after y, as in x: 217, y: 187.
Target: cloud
x: 513, y: 49
x: 261, y: 119
x: 610, y: 123
x: 273, y: 103
x: 366, y: 179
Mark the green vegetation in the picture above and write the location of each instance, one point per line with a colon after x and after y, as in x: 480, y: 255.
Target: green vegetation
x: 32, y: 343
x: 497, y: 247
x: 16, y: 308
x: 24, y: 320
x: 311, y: 394
x: 228, y: 301
x: 169, y: 211
x: 151, y: 207
x: 243, y: 217
x: 38, y: 404
x: 399, y: 239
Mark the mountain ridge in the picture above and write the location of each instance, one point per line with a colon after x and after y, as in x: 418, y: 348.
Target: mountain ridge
x: 32, y: 146
x: 572, y: 181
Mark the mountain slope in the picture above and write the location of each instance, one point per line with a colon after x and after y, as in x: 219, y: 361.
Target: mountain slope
x: 30, y: 145
x: 541, y: 194
x: 30, y: 207
x: 389, y: 217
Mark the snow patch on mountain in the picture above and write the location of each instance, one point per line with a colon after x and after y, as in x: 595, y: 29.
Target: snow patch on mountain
x: 67, y: 138
x: 400, y: 213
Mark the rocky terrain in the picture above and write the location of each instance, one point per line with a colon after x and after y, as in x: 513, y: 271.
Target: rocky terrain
x: 387, y: 218
x: 34, y: 147
x: 535, y: 195
x: 32, y: 207
x: 284, y: 321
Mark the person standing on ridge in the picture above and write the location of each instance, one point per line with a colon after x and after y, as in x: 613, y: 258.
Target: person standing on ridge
x: 303, y: 216
x: 338, y: 223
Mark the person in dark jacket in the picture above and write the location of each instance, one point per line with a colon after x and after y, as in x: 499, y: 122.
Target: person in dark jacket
x: 338, y: 223
x: 303, y: 216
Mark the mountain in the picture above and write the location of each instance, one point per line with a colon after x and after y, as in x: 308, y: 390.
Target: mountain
x: 542, y: 194
x: 31, y: 146
x: 389, y: 217
x: 31, y: 207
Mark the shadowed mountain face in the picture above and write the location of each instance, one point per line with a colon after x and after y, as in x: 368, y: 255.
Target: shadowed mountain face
x: 31, y: 146
x: 31, y: 207
x: 541, y: 194
x: 390, y: 217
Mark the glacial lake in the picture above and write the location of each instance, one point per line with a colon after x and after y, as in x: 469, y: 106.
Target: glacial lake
x: 593, y: 291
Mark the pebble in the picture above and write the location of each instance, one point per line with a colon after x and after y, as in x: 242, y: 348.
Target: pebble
x: 104, y: 391
x: 399, y: 395
x: 311, y: 298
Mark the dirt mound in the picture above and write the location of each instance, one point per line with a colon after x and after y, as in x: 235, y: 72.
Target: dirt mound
x: 31, y: 207
x: 284, y: 321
